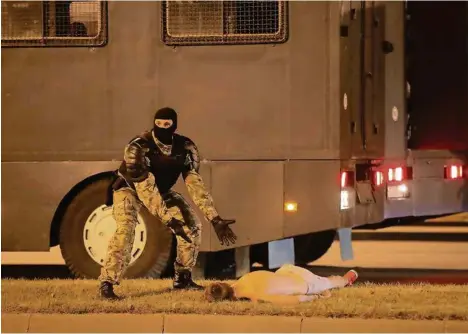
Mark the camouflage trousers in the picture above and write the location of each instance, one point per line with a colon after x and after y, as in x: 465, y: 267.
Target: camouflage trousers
x: 125, y: 212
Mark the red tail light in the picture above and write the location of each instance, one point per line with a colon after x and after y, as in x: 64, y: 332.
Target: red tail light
x: 378, y: 178
x: 398, y: 174
x: 347, y: 179
x: 395, y: 174
x: 453, y: 172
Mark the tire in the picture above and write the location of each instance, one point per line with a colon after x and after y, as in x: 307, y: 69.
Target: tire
x: 151, y: 262
x: 311, y: 247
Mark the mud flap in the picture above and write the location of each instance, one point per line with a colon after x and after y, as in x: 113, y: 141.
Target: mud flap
x: 346, y: 246
x: 280, y: 252
x: 365, y: 193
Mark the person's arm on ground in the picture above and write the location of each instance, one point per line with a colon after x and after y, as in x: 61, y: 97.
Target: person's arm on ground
x: 202, y: 198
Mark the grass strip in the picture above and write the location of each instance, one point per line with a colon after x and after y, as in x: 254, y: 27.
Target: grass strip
x: 365, y: 300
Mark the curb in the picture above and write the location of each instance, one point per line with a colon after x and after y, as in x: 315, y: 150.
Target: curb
x: 193, y: 323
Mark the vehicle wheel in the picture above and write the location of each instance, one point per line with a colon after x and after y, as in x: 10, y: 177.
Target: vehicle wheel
x: 311, y: 247
x: 87, y: 226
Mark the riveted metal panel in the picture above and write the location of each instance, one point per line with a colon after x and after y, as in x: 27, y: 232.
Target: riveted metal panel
x: 252, y: 193
x: 234, y: 109
x: 438, y: 196
x: 395, y: 86
x: 315, y: 186
x: 348, y: 117
x: 314, y: 81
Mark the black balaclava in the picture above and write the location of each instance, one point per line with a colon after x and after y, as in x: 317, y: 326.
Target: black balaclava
x: 165, y: 135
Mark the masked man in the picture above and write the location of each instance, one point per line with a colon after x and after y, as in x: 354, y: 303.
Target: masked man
x: 152, y: 164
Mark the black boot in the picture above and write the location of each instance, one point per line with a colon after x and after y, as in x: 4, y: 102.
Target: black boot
x: 183, y: 280
x: 106, y: 291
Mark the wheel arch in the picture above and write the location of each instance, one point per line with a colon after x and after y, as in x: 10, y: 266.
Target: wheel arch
x: 54, y: 238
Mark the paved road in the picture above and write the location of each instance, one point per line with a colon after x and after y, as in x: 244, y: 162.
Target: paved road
x: 403, y: 253
x: 432, y: 249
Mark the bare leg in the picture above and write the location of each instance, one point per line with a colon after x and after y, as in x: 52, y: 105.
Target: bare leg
x: 347, y: 279
x: 319, y: 285
x: 337, y: 281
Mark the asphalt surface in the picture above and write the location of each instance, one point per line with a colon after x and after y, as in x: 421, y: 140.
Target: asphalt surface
x: 374, y: 275
x: 432, y: 252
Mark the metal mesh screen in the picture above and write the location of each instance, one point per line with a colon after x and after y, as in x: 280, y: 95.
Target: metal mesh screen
x: 224, y: 22
x: 54, y: 23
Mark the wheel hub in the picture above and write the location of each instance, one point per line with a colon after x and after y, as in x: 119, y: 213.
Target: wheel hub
x: 100, y: 227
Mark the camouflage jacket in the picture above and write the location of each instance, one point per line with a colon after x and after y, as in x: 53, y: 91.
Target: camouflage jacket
x: 166, y: 164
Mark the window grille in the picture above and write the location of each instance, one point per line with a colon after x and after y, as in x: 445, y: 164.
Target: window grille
x: 54, y: 23
x: 224, y: 22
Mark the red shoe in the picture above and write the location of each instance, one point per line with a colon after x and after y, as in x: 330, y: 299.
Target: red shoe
x: 351, y: 276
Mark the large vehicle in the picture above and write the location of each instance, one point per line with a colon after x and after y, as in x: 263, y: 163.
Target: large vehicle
x: 311, y: 117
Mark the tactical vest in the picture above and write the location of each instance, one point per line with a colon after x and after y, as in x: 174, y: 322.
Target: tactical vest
x: 166, y: 169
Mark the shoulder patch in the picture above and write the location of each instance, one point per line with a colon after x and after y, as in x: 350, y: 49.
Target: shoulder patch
x: 187, y: 141
x: 192, y: 155
x: 141, y: 140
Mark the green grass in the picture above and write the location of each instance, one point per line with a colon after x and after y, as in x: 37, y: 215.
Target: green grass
x: 417, y: 301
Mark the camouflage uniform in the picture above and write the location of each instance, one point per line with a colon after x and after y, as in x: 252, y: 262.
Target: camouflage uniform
x: 161, y: 202
x: 125, y: 211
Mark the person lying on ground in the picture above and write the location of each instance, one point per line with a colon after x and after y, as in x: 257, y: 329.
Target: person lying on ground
x: 288, y: 285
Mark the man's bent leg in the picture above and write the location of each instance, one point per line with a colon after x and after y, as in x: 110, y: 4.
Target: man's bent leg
x: 187, y: 253
x: 125, y: 213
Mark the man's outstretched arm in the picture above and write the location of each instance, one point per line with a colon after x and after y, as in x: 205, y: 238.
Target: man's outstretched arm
x: 199, y: 194
x: 202, y: 198
x: 194, y: 183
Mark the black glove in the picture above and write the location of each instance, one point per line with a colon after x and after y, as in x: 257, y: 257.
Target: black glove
x: 135, y: 163
x: 223, y: 231
x: 177, y: 228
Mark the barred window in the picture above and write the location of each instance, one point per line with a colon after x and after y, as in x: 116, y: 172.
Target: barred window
x: 54, y: 23
x: 224, y: 22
